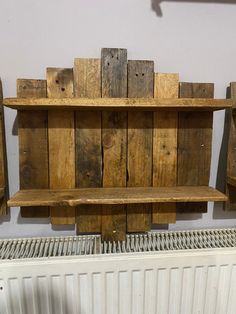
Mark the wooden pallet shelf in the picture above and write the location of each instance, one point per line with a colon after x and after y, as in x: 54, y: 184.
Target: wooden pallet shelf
x: 74, y: 197
x: 147, y: 104
x: 231, y: 180
x: 94, y: 133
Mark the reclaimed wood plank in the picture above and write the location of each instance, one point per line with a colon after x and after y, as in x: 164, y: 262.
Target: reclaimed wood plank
x: 231, y: 161
x: 139, y: 154
x: 74, y: 197
x: 195, y: 143
x: 87, y: 83
x: 165, y: 126
x: 4, y: 195
x: 119, y: 104
x: 33, y: 144
x: 61, y: 142
x: 114, y: 140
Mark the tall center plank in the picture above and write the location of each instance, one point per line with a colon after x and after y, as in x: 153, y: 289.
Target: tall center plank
x: 33, y: 138
x: 165, y: 146
x: 140, y: 123
x: 87, y: 83
x: 61, y: 142
x: 114, y: 140
x: 194, y: 143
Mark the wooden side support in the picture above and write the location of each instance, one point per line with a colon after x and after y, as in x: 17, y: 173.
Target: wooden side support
x: 231, y: 164
x: 4, y: 192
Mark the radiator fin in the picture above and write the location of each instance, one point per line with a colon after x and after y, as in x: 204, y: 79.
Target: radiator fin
x: 92, y: 244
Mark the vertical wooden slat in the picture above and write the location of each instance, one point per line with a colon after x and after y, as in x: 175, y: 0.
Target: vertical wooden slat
x: 165, y: 126
x: 114, y: 140
x: 140, y: 84
x: 231, y: 163
x: 33, y: 144
x: 194, y: 143
x: 61, y: 142
x: 87, y: 83
x: 3, y: 159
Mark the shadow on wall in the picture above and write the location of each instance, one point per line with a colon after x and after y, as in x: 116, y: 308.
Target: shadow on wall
x: 156, y: 4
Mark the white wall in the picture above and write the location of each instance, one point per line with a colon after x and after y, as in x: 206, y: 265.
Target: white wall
x: 196, y: 39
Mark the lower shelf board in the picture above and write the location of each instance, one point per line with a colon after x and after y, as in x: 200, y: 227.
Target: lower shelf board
x: 231, y: 180
x: 74, y: 197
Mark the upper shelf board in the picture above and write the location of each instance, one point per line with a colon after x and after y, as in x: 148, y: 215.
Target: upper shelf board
x: 147, y: 104
x: 74, y: 197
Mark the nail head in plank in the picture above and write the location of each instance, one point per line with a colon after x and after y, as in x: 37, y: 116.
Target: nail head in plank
x: 194, y: 143
x: 114, y: 139
x: 140, y: 123
x: 73, y: 197
x: 165, y: 146
x: 61, y: 141
x: 33, y: 144
x: 87, y: 83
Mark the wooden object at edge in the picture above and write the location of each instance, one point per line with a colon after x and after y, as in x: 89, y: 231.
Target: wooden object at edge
x: 3, y: 160
x: 231, y: 162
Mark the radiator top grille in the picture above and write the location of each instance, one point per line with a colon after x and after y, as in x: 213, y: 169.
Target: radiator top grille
x: 92, y: 244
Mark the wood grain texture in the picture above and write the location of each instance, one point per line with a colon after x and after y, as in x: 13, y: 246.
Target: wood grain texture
x: 140, y: 84
x: 87, y: 83
x: 165, y: 126
x: 73, y: 197
x: 61, y: 142
x: 4, y: 191
x: 114, y: 140
x: 33, y: 144
x: 119, y: 104
x: 231, y: 161
x: 194, y: 143
x: 231, y: 180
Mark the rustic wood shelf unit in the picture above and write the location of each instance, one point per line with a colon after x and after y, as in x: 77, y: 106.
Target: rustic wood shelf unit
x: 114, y: 147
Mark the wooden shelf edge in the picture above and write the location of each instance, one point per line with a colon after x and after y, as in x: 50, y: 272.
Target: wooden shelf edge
x: 231, y: 180
x: 150, y: 104
x: 74, y: 197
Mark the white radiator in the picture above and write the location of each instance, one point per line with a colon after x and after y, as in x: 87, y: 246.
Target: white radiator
x: 82, y: 275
